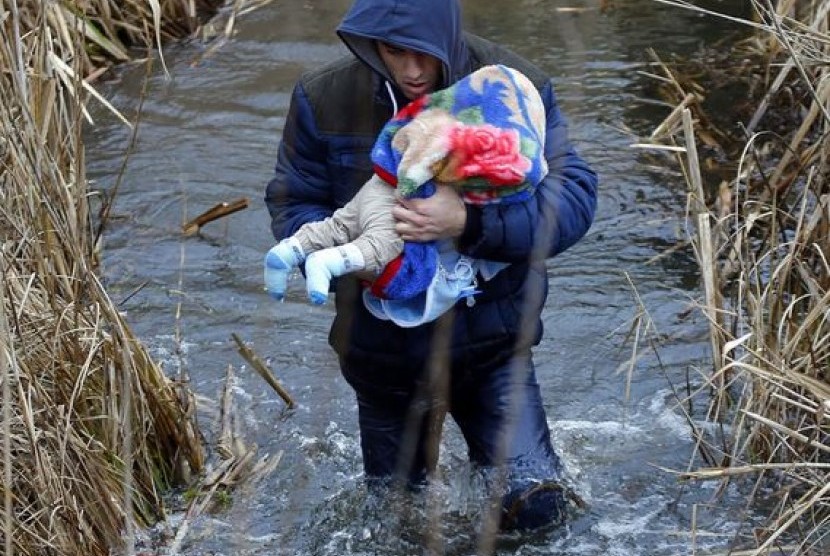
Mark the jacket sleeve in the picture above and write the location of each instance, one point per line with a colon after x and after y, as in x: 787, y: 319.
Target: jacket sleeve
x: 300, y: 191
x: 557, y: 216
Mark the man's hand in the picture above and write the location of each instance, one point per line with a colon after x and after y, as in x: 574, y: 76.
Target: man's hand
x: 441, y: 216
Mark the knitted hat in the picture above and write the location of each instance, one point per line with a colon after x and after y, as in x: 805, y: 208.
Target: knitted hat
x: 485, y: 135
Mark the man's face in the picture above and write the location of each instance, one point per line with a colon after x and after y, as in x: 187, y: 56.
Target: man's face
x: 416, y: 74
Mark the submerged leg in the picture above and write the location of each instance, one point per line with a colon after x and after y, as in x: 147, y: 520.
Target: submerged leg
x: 501, y: 415
x: 392, y: 431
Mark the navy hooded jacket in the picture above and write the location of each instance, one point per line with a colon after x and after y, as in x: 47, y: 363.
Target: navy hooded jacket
x: 335, y: 115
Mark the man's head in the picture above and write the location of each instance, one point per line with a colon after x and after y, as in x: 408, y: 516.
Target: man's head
x: 429, y: 28
x: 414, y: 73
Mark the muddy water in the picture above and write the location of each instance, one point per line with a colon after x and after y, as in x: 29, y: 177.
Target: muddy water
x: 208, y: 134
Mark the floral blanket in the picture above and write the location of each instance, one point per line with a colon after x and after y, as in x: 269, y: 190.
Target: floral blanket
x: 484, y: 135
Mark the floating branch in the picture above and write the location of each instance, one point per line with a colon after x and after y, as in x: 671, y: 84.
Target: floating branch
x: 219, y: 211
x: 263, y: 370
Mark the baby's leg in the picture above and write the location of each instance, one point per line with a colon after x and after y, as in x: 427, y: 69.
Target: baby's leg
x: 338, y: 229
x: 376, y: 244
x: 325, y: 264
x: 291, y: 252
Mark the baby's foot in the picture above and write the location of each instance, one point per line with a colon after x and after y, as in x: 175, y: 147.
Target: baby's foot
x: 323, y: 265
x: 279, y: 261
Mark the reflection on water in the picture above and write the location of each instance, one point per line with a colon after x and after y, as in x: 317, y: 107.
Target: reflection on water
x: 208, y: 134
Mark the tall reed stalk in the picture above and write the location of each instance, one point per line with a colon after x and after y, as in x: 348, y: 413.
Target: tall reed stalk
x: 763, y: 244
x: 92, y: 430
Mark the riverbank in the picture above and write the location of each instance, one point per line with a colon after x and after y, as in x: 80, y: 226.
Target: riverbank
x: 94, y: 432
x: 761, y: 235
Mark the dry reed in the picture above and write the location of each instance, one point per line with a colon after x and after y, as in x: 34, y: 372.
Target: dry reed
x: 92, y: 428
x: 762, y: 240
x: 94, y: 34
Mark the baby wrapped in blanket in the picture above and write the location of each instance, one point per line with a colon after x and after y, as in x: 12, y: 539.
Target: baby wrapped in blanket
x: 483, y: 135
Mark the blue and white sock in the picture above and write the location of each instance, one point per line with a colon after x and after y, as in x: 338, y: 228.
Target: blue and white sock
x: 326, y: 264
x: 279, y: 262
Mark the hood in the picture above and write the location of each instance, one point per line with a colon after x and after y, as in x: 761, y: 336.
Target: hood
x: 429, y: 26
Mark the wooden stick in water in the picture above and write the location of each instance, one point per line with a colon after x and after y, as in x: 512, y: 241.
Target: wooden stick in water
x: 219, y: 211
x: 263, y: 371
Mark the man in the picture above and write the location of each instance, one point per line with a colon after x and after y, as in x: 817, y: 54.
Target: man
x: 479, y: 353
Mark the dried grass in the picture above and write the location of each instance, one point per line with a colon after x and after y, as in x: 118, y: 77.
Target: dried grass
x: 92, y: 428
x: 109, y: 30
x: 762, y: 241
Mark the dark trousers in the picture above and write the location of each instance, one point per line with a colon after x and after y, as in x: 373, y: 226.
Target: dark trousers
x: 498, y: 410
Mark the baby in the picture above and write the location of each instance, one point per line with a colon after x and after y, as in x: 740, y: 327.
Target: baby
x: 483, y: 135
